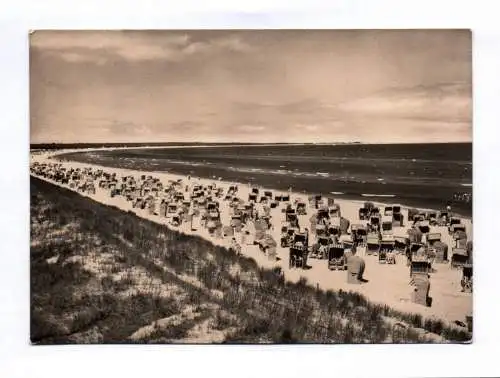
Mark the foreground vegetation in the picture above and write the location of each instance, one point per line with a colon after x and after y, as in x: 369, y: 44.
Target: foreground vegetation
x: 102, y: 275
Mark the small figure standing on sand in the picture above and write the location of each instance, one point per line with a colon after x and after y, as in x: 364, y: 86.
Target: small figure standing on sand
x: 235, y: 246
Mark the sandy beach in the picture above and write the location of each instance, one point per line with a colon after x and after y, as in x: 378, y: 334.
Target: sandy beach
x: 387, y: 284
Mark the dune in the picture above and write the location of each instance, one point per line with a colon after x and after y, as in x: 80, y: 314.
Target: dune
x: 387, y: 284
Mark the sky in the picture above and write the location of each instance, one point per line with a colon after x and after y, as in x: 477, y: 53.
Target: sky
x: 374, y: 86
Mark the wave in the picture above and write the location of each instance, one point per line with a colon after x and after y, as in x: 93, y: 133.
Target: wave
x: 378, y: 195
x: 343, y: 176
x: 337, y: 193
x: 322, y: 174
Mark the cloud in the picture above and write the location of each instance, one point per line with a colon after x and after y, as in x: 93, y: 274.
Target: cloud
x: 127, y: 128
x: 310, y: 127
x: 250, y: 128
x: 230, y: 43
x: 75, y: 57
x: 451, y: 102
x: 99, y: 47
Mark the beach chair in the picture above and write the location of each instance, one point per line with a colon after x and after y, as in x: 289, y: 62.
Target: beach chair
x: 334, y: 210
x: 320, y: 249
x: 423, y: 226
x: 386, y: 254
x: 419, y: 266
x: 433, y: 238
x: 459, y: 258
x: 364, y: 214
x: 344, y: 225
x: 297, y: 257
x: 336, y: 258
x: 301, y: 208
x: 432, y: 217
x: 176, y: 220
x: 211, y: 227
x: 441, y: 252
x: 375, y: 222
x: 260, y: 239
x: 359, y: 234
x: 416, y: 249
x: 388, y: 211
x: 236, y: 223
x: 334, y: 227
x: 316, y: 200
x: 412, y: 214
x: 285, y: 239
x: 369, y: 206
x: 458, y: 232
x: 466, y: 281
x: 172, y: 209
x: 372, y: 244
x: 320, y: 230
x: 355, y: 270
x: 396, y: 209
x: 401, y: 244
x: 453, y: 223
x: 302, y: 238
x: 348, y: 244
x: 415, y: 235
x: 468, y: 247
x: 387, y: 224
x: 443, y: 218
x: 299, y: 250
x: 264, y: 200
x: 421, y: 285
x: 460, y: 240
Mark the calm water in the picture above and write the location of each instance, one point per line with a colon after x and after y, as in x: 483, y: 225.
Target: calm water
x: 422, y: 175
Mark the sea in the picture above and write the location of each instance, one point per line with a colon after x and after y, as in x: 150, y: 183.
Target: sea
x: 417, y: 175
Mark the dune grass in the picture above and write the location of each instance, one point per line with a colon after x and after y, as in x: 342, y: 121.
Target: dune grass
x: 101, y: 275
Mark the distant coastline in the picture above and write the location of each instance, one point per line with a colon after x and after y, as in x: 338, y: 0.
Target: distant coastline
x: 57, y: 146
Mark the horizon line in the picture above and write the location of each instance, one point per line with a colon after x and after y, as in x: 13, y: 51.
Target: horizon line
x: 239, y: 143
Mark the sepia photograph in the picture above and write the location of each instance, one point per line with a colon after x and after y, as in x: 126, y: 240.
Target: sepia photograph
x: 251, y: 186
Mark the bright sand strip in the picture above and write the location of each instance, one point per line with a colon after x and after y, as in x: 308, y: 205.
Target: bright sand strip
x: 387, y: 284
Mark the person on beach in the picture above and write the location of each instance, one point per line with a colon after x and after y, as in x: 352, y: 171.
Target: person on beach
x: 190, y: 216
x: 323, y: 249
x: 235, y: 246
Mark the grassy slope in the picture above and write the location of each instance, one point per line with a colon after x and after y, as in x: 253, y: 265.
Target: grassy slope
x: 99, y: 274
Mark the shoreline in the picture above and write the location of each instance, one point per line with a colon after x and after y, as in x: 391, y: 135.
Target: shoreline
x: 375, y: 291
